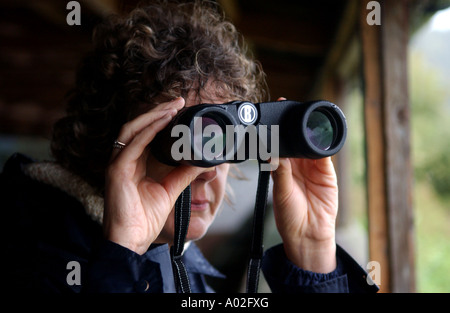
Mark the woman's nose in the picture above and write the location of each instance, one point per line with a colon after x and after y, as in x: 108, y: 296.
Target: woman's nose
x: 208, y: 175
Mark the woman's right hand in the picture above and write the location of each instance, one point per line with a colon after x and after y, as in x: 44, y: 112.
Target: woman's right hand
x: 136, y: 206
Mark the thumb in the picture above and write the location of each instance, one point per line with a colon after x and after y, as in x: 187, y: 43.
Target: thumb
x: 179, y: 178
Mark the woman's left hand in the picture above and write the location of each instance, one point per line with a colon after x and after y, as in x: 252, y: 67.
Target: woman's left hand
x: 305, y: 197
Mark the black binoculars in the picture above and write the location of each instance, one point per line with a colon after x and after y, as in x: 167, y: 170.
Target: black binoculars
x: 207, y: 135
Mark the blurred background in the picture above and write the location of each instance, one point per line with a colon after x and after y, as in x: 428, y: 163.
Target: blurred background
x: 385, y: 63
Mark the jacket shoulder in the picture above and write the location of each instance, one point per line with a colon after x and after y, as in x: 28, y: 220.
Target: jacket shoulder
x: 46, y: 228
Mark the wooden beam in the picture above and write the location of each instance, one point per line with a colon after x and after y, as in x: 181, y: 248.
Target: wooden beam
x: 332, y: 81
x: 305, y: 37
x: 386, y: 115
x: 375, y: 148
x: 103, y: 7
x: 336, y: 49
x: 298, y: 48
x: 231, y: 9
x: 395, y: 37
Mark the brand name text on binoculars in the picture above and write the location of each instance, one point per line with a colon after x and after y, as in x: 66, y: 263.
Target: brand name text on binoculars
x: 208, y: 142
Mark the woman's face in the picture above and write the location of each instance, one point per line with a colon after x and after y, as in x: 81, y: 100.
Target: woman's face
x: 208, y: 190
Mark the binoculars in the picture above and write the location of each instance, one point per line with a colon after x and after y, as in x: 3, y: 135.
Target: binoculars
x: 207, y: 135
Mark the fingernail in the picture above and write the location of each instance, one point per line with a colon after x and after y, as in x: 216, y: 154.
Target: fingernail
x: 178, y: 100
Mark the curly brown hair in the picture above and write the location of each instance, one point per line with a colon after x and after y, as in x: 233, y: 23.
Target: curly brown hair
x: 158, y: 52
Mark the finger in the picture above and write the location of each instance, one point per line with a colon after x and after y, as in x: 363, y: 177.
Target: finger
x: 135, y: 149
x: 133, y: 127
x: 282, y: 178
x: 177, y: 103
x: 281, y: 99
x: 324, y: 169
x: 325, y: 165
x: 132, y: 133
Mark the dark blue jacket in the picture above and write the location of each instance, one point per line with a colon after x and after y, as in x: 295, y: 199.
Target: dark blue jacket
x: 46, y: 229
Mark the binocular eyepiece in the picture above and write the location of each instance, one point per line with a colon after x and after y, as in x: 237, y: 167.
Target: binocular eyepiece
x: 207, y: 135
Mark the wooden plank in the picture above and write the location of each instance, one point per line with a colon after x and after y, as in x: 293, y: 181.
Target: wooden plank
x: 395, y: 35
x: 343, y: 34
x: 375, y: 148
x: 387, y: 123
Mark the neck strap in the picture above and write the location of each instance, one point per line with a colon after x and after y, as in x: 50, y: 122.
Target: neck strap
x: 182, y: 217
x: 257, y: 246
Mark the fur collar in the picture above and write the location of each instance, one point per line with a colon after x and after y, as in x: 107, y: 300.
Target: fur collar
x: 53, y: 174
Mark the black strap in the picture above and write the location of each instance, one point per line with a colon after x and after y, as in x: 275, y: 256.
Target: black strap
x: 257, y: 247
x: 182, y: 216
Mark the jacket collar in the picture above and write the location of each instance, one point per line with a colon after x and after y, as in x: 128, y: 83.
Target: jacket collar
x: 53, y: 174
x: 195, y: 262
x: 57, y: 176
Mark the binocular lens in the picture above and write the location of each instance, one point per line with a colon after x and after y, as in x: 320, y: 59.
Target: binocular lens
x: 320, y: 130
x: 288, y: 129
x: 211, y: 140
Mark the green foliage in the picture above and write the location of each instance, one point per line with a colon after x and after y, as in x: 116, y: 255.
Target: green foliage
x: 432, y: 244
x: 430, y: 135
x: 437, y: 171
x: 430, y: 124
x: 430, y: 130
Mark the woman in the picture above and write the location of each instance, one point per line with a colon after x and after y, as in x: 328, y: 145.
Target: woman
x: 111, y: 209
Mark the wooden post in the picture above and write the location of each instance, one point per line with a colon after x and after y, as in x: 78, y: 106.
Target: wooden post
x: 395, y: 37
x: 388, y: 144
x: 375, y: 148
